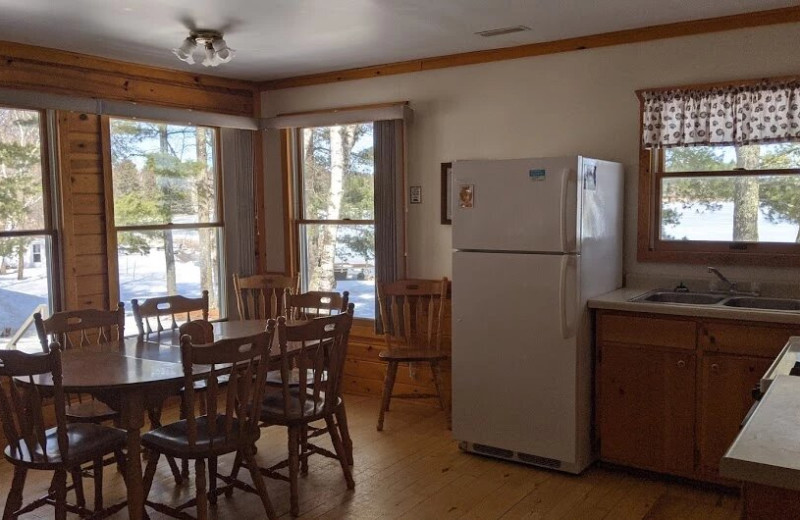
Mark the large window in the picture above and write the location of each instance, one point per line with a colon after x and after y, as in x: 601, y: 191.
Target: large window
x: 25, y: 227
x: 166, y: 210
x: 720, y: 175
x: 336, y: 212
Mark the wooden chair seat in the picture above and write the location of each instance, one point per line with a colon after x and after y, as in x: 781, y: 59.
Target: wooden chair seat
x: 90, y: 411
x: 401, y: 354
x: 173, y: 439
x: 273, y: 408
x: 85, y: 441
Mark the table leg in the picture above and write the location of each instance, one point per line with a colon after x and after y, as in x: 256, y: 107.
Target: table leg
x: 132, y: 412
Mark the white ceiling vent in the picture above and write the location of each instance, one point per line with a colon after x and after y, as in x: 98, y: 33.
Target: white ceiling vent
x: 503, y: 30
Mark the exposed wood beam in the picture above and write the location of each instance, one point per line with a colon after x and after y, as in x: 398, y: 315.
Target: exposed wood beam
x: 643, y: 34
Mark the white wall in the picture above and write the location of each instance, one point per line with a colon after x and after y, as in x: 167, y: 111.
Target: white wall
x: 580, y: 102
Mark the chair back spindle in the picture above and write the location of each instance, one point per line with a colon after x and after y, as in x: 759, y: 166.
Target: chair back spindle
x: 81, y: 328
x: 152, y: 313
x: 316, y: 304
x: 263, y: 296
x: 317, y: 349
x: 21, y: 404
x: 412, y: 312
x: 244, y: 362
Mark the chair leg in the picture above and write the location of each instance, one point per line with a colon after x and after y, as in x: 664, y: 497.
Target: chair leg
x: 340, y: 451
x: 77, y: 482
x: 294, y: 463
x: 388, y: 384
x: 303, y: 450
x: 437, y: 380
x: 200, y: 485
x: 149, y: 472
x: 98, y: 483
x: 60, y: 481
x: 258, y: 481
x: 154, y: 414
x: 14, y: 500
x: 237, y: 464
x: 122, y: 464
x: 212, y: 480
x: 344, y: 432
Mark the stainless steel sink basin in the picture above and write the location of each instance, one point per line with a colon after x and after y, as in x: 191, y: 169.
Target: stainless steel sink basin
x: 776, y: 304
x: 681, y: 297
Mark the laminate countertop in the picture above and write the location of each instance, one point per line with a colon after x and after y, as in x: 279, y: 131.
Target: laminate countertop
x: 767, y: 449
x: 619, y: 300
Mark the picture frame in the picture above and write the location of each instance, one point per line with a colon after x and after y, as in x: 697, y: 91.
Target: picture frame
x: 447, y: 199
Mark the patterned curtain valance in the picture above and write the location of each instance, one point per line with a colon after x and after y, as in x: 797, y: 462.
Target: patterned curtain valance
x: 740, y: 115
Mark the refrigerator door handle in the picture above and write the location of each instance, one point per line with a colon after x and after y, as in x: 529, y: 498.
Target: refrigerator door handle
x: 567, y: 241
x: 567, y: 266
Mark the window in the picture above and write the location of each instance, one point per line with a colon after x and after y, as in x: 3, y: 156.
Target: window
x: 720, y: 175
x: 26, y: 279
x: 166, y: 210
x: 336, y: 221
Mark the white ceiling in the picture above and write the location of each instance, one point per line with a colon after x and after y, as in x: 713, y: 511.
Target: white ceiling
x: 284, y: 38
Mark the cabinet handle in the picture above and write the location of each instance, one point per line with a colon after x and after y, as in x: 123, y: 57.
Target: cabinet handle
x: 681, y: 363
x: 715, y: 367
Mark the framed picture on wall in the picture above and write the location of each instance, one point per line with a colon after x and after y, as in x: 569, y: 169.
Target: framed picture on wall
x: 447, y: 200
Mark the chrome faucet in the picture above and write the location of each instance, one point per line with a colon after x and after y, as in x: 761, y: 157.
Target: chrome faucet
x: 731, y: 285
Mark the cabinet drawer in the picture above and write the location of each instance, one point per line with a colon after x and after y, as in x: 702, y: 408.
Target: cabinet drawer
x: 748, y: 338
x: 647, y: 330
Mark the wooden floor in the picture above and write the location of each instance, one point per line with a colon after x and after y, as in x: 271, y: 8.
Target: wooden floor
x: 415, y: 471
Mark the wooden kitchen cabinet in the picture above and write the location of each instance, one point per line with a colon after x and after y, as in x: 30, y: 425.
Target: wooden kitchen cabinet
x: 671, y: 391
x: 646, y: 410
x: 726, y: 383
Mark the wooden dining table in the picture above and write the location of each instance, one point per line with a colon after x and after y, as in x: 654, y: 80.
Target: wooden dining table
x: 133, y: 374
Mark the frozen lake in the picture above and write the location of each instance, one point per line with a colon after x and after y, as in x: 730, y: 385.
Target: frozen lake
x: 698, y: 223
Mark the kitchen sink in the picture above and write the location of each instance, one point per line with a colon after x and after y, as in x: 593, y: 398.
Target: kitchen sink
x: 742, y: 301
x: 681, y: 297
x: 777, y: 304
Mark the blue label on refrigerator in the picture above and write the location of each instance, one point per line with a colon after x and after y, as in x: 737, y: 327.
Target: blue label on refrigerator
x: 536, y: 175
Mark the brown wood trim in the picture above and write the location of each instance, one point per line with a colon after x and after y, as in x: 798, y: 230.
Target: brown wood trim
x: 290, y: 258
x: 108, y: 198
x: 61, y: 72
x: 721, y: 84
x: 69, y: 285
x: 643, y: 34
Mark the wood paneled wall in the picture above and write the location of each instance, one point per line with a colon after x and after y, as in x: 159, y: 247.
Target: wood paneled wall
x: 60, y: 72
x: 83, y: 213
x: 364, y: 372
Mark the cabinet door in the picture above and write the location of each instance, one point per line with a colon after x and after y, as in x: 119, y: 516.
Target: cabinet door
x: 646, y: 408
x: 726, y: 385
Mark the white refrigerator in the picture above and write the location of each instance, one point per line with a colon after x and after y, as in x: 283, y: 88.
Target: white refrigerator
x: 533, y: 240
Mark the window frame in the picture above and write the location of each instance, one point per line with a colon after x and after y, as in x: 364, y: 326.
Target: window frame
x: 49, y: 196
x: 113, y: 230
x: 296, y: 193
x: 650, y: 247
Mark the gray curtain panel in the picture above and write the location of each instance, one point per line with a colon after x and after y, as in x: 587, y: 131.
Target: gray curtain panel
x: 389, y: 163
x: 239, y: 207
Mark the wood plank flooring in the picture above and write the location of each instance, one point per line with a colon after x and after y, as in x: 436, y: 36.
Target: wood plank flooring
x: 415, y: 471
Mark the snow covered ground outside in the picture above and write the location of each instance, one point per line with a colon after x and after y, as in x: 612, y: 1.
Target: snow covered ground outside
x: 142, y: 277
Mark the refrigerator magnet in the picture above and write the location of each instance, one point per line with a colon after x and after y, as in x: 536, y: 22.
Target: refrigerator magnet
x: 590, y: 177
x: 466, y: 196
x: 537, y: 175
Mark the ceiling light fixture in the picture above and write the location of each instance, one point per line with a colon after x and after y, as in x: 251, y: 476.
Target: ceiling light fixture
x: 215, y: 48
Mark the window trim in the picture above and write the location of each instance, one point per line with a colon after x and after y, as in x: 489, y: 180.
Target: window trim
x: 112, y: 230
x: 650, y: 248
x: 296, y: 216
x: 49, y: 196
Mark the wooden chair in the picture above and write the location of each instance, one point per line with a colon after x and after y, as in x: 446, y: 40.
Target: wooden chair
x: 232, y: 429
x: 317, y: 347
x: 263, y: 296
x: 315, y: 304
x: 78, y: 329
x: 62, y: 449
x: 311, y: 305
x: 411, y: 313
x: 150, y: 312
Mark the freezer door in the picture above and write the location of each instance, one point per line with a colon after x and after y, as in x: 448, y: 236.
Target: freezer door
x: 516, y: 205
x: 514, y: 352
